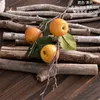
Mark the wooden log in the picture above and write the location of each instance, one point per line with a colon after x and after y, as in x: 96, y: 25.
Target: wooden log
x: 13, y: 36
x: 84, y: 20
x: 71, y: 69
x: 15, y: 48
x: 83, y: 32
x: 57, y: 8
x: 25, y: 48
x: 89, y: 49
x: 13, y: 26
x: 79, y: 39
x: 20, y: 42
x: 21, y: 36
x: 46, y: 13
x: 92, y: 30
x: 38, y: 68
x: 87, y: 39
x: 65, y: 56
x: 21, y: 18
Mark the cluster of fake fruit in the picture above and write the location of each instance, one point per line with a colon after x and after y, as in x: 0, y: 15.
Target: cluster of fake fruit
x: 58, y: 27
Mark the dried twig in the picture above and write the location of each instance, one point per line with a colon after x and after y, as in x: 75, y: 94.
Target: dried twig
x: 80, y: 32
x: 42, y: 69
x: 57, y: 8
x: 13, y: 26
x: 92, y: 30
x: 53, y: 14
x: 65, y: 56
x: 89, y: 49
x: 79, y: 39
x: 21, y: 18
x: 84, y: 20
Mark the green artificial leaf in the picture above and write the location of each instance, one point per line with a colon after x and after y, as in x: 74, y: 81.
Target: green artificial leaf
x: 44, y: 26
x: 67, y: 42
x: 34, y: 49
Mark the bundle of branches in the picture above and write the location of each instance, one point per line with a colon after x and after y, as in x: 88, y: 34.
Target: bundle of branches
x: 82, y: 61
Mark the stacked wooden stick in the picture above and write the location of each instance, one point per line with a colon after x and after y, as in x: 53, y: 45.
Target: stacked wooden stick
x: 84, y: 61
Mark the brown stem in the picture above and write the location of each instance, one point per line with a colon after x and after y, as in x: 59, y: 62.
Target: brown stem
x: 57, y: 8
x: 51, y: 13
x: 65, y: 56
x: 92, y: 30
x: 84, y: 20
x: 21, y: 18
x: 13, y: 26
x: 43, y: 69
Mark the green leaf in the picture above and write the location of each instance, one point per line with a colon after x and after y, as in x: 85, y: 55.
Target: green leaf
x: 44, y: 26
x: 34, y: 49
x: 67, y: 42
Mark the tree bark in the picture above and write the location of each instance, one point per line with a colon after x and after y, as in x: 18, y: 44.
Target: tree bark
x: 22, y: 18
x: 92, y: 30
x: 79, y: 39
x: 87, y: 39
x: 81, y: 32
x: 46, y: 13
x: 13, y: 26
x: 65, y: 56
x: 89, y: 49
x: 80, y: 69
x: 43, y: 69
x: 25, y: 48
x: 57, y: 8
x: 84, y: 20
x: 20, y: 42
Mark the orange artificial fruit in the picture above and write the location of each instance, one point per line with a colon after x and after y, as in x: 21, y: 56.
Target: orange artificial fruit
x: 58, y: 27
x: 48, y: 53
x: 31, y: 34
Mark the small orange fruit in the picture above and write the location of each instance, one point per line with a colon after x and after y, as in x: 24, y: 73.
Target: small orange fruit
x: 48, y: 52
x: 58, y: 27
x: 31, y: 34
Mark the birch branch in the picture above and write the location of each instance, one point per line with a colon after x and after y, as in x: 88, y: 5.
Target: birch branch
x: 89, y: 49
x: 13, y: 26
x: 87, y: 39
x: 20, y: 42
x: 25, y: 48
x: 81, y: 32
x: 84, y: 20
x: 57, y: 8
x: 65, y: 56
x: 53, y: 14
x: 80, y: 69
x: 92, y: 30
x: 21, y: 18
x: 79, y: 39
x: 77, y: 69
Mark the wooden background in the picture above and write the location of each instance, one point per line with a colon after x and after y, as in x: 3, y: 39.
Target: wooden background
x: 24, y: 86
